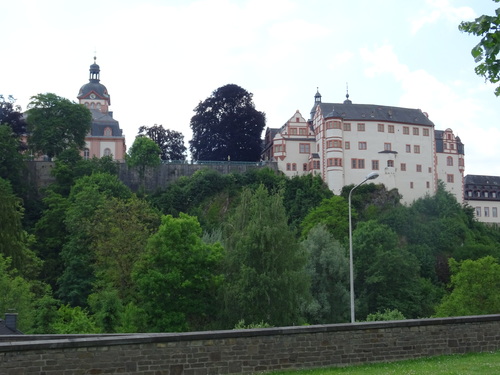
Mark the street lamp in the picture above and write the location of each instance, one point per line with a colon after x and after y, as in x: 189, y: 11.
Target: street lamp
x: 371, y: 176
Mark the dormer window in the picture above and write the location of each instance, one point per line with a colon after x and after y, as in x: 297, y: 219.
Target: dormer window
x: 108, y: 132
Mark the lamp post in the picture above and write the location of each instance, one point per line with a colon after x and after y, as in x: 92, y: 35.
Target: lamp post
x: 371, y: 176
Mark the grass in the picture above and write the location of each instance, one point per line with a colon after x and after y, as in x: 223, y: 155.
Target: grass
x: 460, y: 364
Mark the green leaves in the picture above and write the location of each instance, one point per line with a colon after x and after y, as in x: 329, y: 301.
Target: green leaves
x: 486, y: 51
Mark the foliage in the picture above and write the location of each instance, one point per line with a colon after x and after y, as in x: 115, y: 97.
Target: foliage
x: 16, y: 295
x: 11, y: 114
x: 178, y: 275
x: 475, y: 288
x: 333, y: 213
x: 88, y: 193
x: 120, y: 230
x: 11, y: 161
x: 170, y: 142
x: 55, y: 124
x: 241, y: 325
x: 387, y: 275
x: 265, y: 266
x: 301, y: 194
x: 227, y: 126
x: 107, y: 308
x: 143, y: 154
x: 15, y: 242
x: 328, y: 269
x: 387, y: 314
x: 73, y: 320
x: 486, y: 51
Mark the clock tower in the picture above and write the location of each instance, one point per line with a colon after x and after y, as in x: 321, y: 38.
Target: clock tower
x: 105, y: 137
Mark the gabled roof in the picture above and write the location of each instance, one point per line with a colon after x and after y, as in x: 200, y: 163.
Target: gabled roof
x: 373, y: 112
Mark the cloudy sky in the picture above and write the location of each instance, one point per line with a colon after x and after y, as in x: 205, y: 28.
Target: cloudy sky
x: 160, y: 58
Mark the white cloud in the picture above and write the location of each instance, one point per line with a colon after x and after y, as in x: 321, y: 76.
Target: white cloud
x: 340, y: 59
x: 439, y: 9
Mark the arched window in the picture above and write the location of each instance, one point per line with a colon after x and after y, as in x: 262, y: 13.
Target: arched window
x: 107, y: 152
x: 108, y: 132
x: 86, y: 154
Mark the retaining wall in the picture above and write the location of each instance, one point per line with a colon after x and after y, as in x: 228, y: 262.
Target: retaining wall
x: 248, y: 351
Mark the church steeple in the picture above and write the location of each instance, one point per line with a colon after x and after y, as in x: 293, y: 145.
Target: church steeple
x: 94, y: 72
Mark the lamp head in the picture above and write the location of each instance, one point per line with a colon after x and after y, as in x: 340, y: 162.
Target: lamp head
x: 372, y: 176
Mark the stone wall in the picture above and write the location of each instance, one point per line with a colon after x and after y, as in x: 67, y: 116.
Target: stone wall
x: 39, y: 172
x: 248, y: 351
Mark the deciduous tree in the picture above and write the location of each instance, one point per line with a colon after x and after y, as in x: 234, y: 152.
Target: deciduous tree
x: 178, y: 276
x: 227, y: 126
x: 143, y: 154
x: 265, y: 272
x: 170, y: 142
x: 55, y: 124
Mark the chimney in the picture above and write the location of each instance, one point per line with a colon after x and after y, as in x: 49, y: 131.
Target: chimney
x: 11, y: 321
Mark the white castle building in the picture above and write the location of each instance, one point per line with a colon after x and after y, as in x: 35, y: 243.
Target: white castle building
x: 344, y: 142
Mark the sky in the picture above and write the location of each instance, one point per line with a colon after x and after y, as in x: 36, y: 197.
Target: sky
x: 160, y: 58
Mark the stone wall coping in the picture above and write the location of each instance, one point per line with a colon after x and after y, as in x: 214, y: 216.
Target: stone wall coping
x: 46, y: 342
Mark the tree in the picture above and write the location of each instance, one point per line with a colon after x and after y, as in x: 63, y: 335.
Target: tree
x: 486, y: 51
x: 170, y: 142
x: 328, y: 269
x: 11, y: 160
x: 11, y: 115
x: 178, y: 276
x: 227, y: 126
x: 475, y: 288
x: 265, y: 272
x: 144, y: 153
x: 55, y: 124
x: 334, y: 214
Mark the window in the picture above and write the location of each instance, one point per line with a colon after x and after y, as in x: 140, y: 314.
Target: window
x: 294, y: 167
x: 428, y: 185
x: 390, y: 128
x: 450, y: 178
x: 302, y: 131
x: 107, y: 132
x: 478, y: 211
x: 358, y: 163
x: 334, y: 162
x: 408, y: 148
x: 337, y: 143
x: 390, y: 163
x: 387, y: 147
x: 347, y: 145
x: 426, y: 132
x: 329, y: 124
x: 461, y: 162
x: 279, y: 148
x: 347, y: 127
x: 416, y: 131
x: 486, y: 212
x: 304, y: 148
x: 362, y: 145
x: 411, y: 185
x: 304, y: 167
x: 406, y: 130
x: 361, y: 127
x: 337, y: 125
x: 297, y: 119
x: 293, y: 131
x: 86, y: 154
x: 329, y: 144
x: 381, y: 128
x: 449, y: 161
x: 494, y: 212
x: 315, y: 164
x: 375, y: 165
x: 107, y: 152
x: 430, y: 170
x: 403, y: 167
x: 288, y: 166
x: 493, y: 194
x: 419, y: 168
x: 416, y: 149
